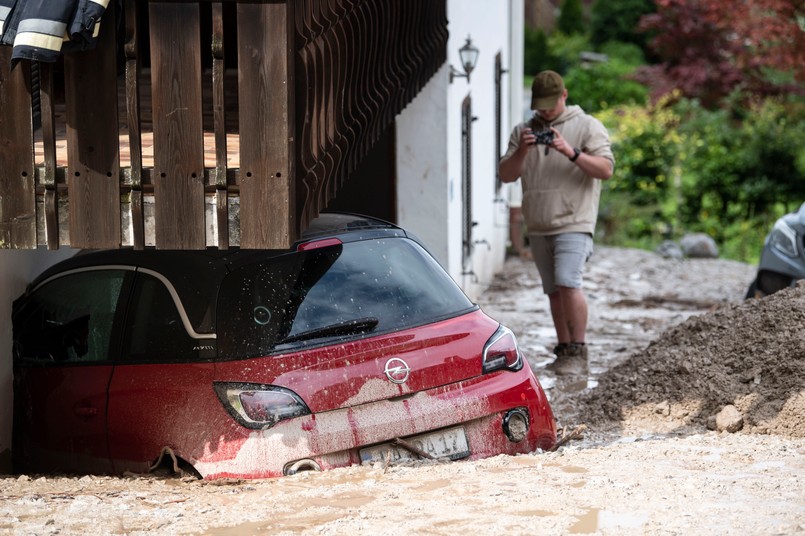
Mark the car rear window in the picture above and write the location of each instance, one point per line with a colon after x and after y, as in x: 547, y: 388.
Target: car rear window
x: 309, y: 297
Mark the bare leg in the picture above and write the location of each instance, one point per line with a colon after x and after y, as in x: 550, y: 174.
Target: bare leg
x: 558, y: 315
x: 574, y: 312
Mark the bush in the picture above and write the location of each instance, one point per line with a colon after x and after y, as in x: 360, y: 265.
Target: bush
x: 616, y: 20
x: 744, y: 164
x: 571, y: 18
x: 536, y: 54
x: 681, y: 168
x: 566, y: 49
x: 604, y: 85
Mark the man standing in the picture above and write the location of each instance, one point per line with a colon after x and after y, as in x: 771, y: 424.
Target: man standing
x: 562, y: 154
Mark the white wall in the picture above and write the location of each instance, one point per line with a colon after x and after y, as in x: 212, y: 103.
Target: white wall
x: 429, y: 137
x: 17, y: 269
x: 423, y: 193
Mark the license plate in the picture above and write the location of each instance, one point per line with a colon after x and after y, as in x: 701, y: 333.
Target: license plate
x: 450, y: 444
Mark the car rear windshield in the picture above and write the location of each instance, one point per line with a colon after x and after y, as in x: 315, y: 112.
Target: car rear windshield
x: 309, y: 297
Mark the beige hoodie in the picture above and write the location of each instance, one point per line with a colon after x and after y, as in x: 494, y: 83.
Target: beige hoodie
x: 558, y: 197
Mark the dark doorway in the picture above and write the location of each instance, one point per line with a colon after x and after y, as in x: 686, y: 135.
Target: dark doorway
x: 371, y: 189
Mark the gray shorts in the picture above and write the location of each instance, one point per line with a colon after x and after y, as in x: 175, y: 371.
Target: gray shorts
x: 560, y: 258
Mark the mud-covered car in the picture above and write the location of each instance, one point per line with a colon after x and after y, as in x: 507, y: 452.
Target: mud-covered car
x: 782, y: 261
x: 354, y: 346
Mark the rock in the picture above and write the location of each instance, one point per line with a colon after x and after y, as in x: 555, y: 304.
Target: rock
x: 669, y: 250
x: 663, y: 408
x: 699, y: 246
x: 729, y: 419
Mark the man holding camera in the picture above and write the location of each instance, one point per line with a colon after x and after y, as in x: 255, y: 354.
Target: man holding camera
x: 562, y: 154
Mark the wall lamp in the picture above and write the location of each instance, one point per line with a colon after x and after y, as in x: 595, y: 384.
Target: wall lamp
x: 469, y: 57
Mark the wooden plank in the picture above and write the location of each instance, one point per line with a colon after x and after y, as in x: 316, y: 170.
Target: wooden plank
x: 266, y: 88
x: 17, y: 188
x: 131, y: 52
x: 219, y: 124
x: 48, y: 178
x: 93, y: 161
x: 178, y: 135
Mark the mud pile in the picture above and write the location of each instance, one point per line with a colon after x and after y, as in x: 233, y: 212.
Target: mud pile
x: 750, y: 355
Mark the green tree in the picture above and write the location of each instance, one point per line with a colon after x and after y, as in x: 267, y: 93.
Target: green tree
x: 743, y: 168
x: 604, y: 85
x: 571, y: 18
x: 537, y: 54
x: 617, y: 20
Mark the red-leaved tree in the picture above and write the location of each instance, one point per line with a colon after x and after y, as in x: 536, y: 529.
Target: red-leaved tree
x: 711, y: 47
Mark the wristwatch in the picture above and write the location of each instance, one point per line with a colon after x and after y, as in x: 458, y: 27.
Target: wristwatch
x: 576, y: 153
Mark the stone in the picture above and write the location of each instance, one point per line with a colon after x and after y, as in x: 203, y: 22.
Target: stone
x: 729, y: 419
x: 669, y: 250
x: 699, y: 246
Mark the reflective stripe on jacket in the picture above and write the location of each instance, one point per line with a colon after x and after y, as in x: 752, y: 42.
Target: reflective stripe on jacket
x: 40, y: 30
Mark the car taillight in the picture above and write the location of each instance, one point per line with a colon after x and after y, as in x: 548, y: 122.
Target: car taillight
x: 501, y: 352
x: 259, y: 406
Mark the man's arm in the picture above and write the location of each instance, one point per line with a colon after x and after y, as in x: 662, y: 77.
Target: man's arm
x: 511, y: 167
x: 597, y: 167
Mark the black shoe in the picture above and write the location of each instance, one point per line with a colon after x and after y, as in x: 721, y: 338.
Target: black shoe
x: 571, y: 360
x: 560, y: 349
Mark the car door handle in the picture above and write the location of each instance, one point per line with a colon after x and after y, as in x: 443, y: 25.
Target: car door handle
x: 86, y: 412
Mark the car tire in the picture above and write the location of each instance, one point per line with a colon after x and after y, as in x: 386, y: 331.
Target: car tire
x: 752, y: 292
x: 770, y: 282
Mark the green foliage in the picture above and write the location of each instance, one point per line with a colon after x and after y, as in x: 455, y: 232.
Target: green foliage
x: 646, y: 146
x: 571, y: 18
x: 623, y: 223
x: 559, y: 52
x: 728, y: 170
x: 604, y: 85
x: 537, y: 55
x: 617, y: 20
x: 566, y: 49
x: 683, y: 168
x: 625, y: 53
x: 744, y: 168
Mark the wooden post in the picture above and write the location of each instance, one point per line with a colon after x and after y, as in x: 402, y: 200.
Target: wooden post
x: 17, y: 193
x: 265, y: 92
x: 219, y: 126
x: 93, y: 159
x: 178, y: 136
x: 131, y: 52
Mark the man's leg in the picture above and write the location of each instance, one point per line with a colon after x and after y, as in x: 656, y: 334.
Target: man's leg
x: 569, y: 305
x: 560, y: 323
x: 574, y: 312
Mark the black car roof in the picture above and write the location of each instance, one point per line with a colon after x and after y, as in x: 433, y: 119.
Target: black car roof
x: 197, y: 274
x: 168, y: 262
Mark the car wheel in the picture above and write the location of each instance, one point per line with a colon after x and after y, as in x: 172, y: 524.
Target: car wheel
x: 753, y: 292
x: 771, y: 282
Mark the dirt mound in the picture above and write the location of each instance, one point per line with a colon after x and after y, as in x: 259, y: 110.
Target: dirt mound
x: 750, y: 355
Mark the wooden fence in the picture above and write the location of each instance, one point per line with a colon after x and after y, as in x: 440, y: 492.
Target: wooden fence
x: 206, y: 124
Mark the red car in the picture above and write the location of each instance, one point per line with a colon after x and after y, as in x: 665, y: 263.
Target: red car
x: 354, y: 346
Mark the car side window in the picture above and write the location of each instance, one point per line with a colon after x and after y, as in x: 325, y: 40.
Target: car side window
x: 154, y: 328
x: 69, y: 319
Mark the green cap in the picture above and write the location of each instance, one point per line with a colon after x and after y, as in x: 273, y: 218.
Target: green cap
x: 546, y: 90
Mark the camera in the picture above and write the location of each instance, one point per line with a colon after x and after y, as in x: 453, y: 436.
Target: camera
x: 544, y: 135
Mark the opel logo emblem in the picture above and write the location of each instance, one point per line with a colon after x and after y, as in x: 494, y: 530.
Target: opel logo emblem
x: 397, y: 370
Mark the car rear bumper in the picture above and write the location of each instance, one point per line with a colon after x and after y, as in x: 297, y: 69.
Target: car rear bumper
x: 333, y: 439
